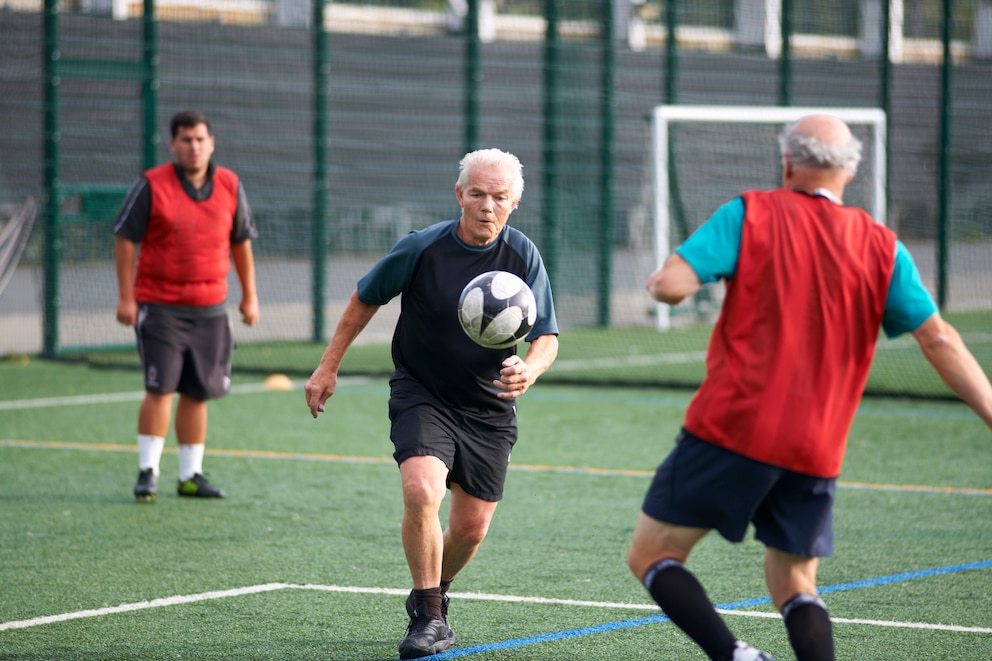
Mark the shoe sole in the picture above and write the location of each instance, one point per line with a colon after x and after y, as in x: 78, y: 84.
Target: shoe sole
x: 145, y: 498
x: 436, y: 648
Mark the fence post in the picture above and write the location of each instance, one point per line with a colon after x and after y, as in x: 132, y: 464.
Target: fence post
x: 606, y: 238
x: 50, y: 268
x: 321, y: 181
x: 150, y: 84
x: 473, y: 74
x: 785, y: 59
x: 944, y: 181
x: 885, y: 92
x: 549, y: 201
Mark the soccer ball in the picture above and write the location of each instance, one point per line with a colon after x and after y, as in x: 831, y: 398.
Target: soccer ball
x: 497, y: 309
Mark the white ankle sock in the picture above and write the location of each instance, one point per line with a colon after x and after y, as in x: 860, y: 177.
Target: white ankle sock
x: 150, y: 452
x: 190, y: 461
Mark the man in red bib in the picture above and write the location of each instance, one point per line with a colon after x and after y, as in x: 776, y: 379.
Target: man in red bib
x: 809, y: 284
x: 191, y: 219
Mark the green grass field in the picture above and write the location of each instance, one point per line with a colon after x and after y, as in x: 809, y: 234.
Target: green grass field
x: 303, y: 560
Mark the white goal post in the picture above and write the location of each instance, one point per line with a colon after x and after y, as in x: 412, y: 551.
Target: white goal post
x: 664, y: 116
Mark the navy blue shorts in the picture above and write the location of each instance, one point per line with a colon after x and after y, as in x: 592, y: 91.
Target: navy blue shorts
x: 183, y: 353
x: 476, y: 452
x: 702, y: 485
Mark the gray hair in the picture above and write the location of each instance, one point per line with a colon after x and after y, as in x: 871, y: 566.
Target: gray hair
x: 803, y: 150
x: 493, y: 158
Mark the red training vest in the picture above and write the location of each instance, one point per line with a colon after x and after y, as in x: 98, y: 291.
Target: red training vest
x: 791, y: 351
x: 185, y: 254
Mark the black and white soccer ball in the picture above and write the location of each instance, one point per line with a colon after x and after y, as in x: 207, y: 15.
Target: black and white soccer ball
x: 497, y: 309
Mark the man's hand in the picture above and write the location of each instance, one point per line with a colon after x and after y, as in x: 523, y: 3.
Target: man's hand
x: 127, y: 311
x: 519, y: 374
x: 249, y: 310
x: 515, y: 378
x: 319, y: 388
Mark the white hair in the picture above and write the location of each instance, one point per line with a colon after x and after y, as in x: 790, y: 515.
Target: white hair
x: 803, y: 150
x: 496, y: 159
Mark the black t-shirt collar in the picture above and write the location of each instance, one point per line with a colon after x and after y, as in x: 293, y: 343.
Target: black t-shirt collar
x: 203, y: 193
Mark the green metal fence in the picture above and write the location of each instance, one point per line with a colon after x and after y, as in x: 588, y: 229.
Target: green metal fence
x: 346, y: 122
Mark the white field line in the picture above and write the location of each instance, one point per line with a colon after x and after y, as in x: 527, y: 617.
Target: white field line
x: 142, y: 605
x: 138, y: 395
x: 271, y: 587
x: 630, y: 361
x: 560, y: 365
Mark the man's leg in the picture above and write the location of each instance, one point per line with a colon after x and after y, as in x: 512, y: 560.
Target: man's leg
x: 468, y: 523
x: 423, y: 479
x: 423, y: 491
x: 154, y: 416
x: 191, y: 432
x: 792, y: 585
x: 657, y: 556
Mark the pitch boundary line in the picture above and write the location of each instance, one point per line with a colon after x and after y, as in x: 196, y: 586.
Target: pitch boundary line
x: 260, y: 387
x: 522, y: 468
x: 138, y: 395
x: 727, y: 609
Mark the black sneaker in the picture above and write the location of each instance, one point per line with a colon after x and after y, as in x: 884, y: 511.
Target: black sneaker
x: 144, y: 489
x: 425, y: 636
x: 198, y: 487
x: 410, y: 606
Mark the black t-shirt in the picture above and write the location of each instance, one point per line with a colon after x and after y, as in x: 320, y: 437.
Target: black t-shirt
x: 432, y: 354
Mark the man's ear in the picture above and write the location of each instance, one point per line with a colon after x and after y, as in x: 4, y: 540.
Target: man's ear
x: 787, y: 171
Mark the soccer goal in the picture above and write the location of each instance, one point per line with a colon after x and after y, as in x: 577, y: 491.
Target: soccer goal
x: 707, y: 155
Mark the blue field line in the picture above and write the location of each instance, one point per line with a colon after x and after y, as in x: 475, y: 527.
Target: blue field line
x: 736, y: 605
x: 549, y: 637
x: 908, y: 576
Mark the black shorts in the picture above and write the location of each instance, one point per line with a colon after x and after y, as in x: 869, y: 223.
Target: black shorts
x: 702, y: 485
x: 185, y: 352
x: 476, y: 452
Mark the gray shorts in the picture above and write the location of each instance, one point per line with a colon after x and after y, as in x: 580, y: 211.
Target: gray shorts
x: 476, y: 452
x: 186, y: 353
x: 702, y: 485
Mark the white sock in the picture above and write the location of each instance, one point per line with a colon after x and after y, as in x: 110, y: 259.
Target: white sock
x: 150, y: 452
x: 190, y: 461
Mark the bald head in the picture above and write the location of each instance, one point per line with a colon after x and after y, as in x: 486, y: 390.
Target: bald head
x: 821, y: 142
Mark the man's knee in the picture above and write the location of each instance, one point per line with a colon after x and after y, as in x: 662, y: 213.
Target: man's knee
x: 469, y: 532
x: 423, y: 482
x: 655, y: 540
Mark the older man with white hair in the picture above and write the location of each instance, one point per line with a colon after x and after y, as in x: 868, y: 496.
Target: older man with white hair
x: 452, y: 402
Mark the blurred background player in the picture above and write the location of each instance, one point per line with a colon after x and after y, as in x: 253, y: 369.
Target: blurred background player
x: 809, y: 284
x: 190, y: 218
x: 451, y: 404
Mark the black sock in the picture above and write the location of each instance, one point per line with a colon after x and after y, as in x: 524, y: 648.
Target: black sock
x: 810, y: 632
x: 429, y: 599
x: 445, y: 585
x: 685, y: 602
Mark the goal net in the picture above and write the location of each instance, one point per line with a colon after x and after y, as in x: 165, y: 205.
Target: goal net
x: 705, y: 156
